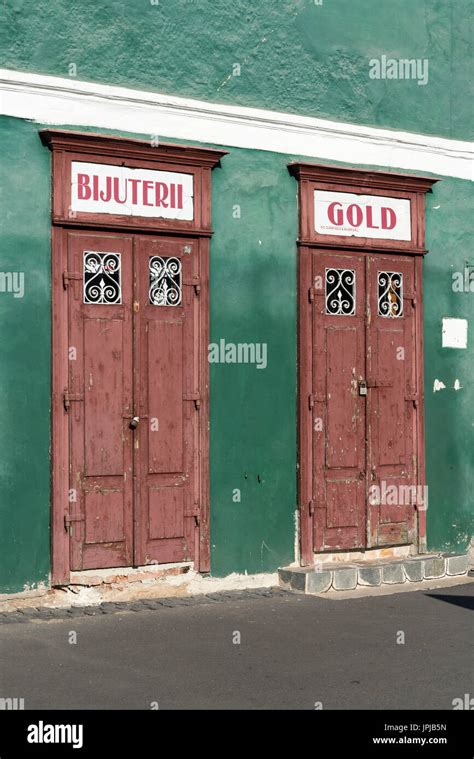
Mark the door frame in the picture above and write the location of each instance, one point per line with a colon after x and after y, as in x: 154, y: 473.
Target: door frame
x: 65, y: 147
x: 335, y: 178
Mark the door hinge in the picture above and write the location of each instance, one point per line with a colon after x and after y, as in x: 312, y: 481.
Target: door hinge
x: 413, y: 398
x: 311, y: 507
x: 196, y: 513
x: 411, y: 296
x: 194, y: 282
x: 196, y: 397
x: 69, y: 519
x: 68, y: 398
x: 70, y: 275
x: 317, y: 397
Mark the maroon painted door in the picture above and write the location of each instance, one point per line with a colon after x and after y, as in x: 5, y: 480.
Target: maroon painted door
x: 363, y: 400
x: 166, y: 372
x: 392, y: 400
x: 132, y: 399
x: 339, y: 479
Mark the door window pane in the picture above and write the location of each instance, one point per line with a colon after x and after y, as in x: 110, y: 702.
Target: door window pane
x: 390, y: 295
x: 340, y: 292
x: 165, y: 281
x: 102, y: 280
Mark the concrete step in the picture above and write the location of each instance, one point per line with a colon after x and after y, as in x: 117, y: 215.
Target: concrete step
x: 347, y: 576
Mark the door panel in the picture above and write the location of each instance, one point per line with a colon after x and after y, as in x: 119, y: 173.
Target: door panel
x: 168, y: 395
x: 338, y: 410
x: 100, y: 392
x: 391, y: 412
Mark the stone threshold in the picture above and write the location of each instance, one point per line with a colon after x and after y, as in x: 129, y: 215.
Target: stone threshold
x: 323, y: 577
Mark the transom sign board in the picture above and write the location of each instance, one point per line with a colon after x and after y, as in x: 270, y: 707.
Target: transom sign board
x: 352, y: 208
x: 127, y: 183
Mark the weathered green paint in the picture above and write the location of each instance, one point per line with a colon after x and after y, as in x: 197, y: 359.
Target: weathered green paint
x: 25, y: 328
x: 253, y: 411
x: 294, y: 55
x: 449, y: 414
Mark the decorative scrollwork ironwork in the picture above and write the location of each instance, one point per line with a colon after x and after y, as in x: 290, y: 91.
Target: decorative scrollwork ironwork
x: 165, y: 281
x: 390, y: 295
x: 340, y: 292
x: 102, y: 278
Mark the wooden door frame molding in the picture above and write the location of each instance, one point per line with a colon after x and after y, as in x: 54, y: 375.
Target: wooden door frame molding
x: 67, y: 146
x: 357, y: 181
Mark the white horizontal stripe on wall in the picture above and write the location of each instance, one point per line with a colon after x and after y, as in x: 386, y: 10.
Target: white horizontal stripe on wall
x: 58, y: 101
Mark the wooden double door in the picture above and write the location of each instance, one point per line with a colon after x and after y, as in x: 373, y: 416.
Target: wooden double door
x: 360, y: 399
x: 133, y: 398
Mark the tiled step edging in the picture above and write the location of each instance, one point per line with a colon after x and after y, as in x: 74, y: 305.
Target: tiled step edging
x: 326, y: 577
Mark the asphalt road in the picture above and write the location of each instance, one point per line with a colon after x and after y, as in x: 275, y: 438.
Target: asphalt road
x: 294, y: 651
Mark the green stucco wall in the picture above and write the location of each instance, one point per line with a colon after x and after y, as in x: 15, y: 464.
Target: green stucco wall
x: 25, y: 359
x: 253, y: 412
x: 449, y: 413
x: 298, y: 56
x: 294, y: 55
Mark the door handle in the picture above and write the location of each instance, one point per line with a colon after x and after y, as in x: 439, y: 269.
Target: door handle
x: 134, y: 422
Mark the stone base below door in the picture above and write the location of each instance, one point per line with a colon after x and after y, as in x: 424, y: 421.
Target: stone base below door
x: 331, y: 575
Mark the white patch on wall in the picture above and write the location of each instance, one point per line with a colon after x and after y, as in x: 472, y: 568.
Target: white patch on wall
x: 457, y: 385
x: 438, y: 385
x: 454, y: 333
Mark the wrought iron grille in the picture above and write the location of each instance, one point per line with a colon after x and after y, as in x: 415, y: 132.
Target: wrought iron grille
x: 340, y: 292
x: 165, y: 281
x: 390, y: 296
x: 102, y: 278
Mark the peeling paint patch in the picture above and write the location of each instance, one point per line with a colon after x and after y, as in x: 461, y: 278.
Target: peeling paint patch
x: 297, y: 536
x: 454, y: 333
x: 457, y: 385
x: 438, y: 385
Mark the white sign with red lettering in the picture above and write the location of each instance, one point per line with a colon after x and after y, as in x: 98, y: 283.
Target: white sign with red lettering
x: 350, y: 215
x: 99, y: 188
